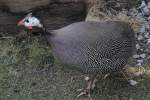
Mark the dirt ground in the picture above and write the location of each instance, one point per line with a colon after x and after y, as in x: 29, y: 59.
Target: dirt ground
x: 28, y: 71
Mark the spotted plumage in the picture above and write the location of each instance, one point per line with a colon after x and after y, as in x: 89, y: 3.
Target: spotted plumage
x: 93, y: 47
x: 90, y: 47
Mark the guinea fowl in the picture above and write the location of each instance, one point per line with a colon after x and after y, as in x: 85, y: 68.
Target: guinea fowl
x: 91, y: 47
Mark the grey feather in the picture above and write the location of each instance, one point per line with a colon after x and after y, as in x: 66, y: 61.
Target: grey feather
x: 94, y: 47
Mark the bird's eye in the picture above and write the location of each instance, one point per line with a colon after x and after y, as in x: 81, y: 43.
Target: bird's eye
x: 27, y: 20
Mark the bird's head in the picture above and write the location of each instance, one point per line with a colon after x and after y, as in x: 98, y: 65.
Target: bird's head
x: 30, y: 21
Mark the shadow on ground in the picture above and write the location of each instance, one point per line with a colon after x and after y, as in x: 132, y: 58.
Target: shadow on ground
x: 28, y: 72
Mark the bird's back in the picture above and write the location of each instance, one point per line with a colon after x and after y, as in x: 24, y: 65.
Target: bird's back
x: 94, y: 46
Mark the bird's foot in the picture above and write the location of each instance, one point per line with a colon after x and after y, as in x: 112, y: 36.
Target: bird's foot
x: 88, y: 88
x: 85, y: 92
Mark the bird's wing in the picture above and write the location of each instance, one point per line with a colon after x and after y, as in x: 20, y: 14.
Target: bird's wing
x: 86, y: 44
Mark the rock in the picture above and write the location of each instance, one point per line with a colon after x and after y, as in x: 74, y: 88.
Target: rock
x: 140, y: 37
x: 133, y: 82
x: 138, y: 46
x: 146, y: 10
x: 87, y: 78
x: 132, y: 12
x: 148, y: 41
x: 143, y: 4
x: 140, y: 61
x: 142, y: 30
x: 143, y: 55
x: 147, y: 35
x: 136, y: 56
x: 139, y: 64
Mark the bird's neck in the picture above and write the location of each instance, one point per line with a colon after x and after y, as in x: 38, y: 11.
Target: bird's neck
x: 44, y: 30
x: 47, y: 34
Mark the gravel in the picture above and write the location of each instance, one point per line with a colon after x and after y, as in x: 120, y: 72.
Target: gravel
x: 143, y: 35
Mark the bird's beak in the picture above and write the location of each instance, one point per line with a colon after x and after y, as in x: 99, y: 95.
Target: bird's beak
x: 20, y: 23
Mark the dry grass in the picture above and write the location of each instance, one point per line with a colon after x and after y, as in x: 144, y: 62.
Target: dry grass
x: 28, y: 72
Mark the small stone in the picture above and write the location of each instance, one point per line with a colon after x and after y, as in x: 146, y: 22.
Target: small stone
x: 138, y: 64
x: 142, y: 29
x: 137, y: 46
x: 146, y: 9
x: 136, y: 56
x: 148, y: 5
x: 143, y: 4
x: 148, y: 18
x: 132, y: 12
x: 140, y: 37
x: 140, y: 61
x: 141, y: 49
x: 147, y: 35
x: 133, y: 82
x: 148, y: 41
x: 87, y: 78
x: 147, y: 25
x: 143, y: 55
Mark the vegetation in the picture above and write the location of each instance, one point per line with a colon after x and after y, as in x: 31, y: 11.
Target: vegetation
x: 28, y: 72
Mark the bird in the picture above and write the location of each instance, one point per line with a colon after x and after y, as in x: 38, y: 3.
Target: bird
x: 88, y: 46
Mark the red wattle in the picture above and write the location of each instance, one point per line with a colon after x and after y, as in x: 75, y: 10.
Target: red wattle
x: 30, y: 27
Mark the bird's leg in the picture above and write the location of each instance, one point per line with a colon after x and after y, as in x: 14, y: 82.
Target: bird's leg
x: 88, y: 87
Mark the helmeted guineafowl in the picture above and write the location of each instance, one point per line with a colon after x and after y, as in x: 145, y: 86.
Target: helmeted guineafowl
x: 91, y: 47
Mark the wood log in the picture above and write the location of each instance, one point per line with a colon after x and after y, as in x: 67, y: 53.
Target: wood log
x: 55, y: 16
x: 17, y: 6
x: 8, y: 22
